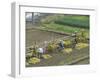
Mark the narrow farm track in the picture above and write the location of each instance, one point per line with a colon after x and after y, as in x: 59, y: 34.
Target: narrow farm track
x: 65, y: 59
x: 86, y: 60
x: 81, y: 62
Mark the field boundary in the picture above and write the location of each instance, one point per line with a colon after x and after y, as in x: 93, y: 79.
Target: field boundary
x: 58, y: 32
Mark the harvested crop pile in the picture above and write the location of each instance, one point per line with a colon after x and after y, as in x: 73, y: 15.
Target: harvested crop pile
x: 81, y: 45
x: 34, y: 60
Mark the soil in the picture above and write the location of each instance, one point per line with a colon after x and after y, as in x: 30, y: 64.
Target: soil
x: 38, y: 36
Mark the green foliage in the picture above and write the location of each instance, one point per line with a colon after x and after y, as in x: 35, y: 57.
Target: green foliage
x: 79, y: 21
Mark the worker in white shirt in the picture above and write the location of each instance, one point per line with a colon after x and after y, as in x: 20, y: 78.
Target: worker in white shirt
x: 40, y: 52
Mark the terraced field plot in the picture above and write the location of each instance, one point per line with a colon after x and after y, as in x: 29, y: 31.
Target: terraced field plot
x: 40, y: 36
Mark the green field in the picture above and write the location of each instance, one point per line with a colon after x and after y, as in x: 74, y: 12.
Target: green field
x: 66, y: 23
x: 62, y: 28
x: 79, y: 21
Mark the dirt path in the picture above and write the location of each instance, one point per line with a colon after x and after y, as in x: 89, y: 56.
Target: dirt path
x: 86, y: 61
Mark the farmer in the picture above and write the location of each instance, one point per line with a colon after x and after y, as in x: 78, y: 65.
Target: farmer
x: 75, y: 39
x: 45, y: 46
x: 40, y: 52
x: 61, y: 45
x: 35, y: 50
